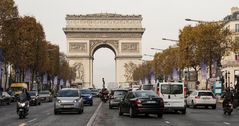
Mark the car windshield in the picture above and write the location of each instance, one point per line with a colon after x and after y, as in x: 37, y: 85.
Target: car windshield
x: 85, y: 91
x: 32, y: 93
x: 119, y: 93
x: 205, y: 94
x: 171, y: 89
x: 68, y: 93
x: 145, y: 94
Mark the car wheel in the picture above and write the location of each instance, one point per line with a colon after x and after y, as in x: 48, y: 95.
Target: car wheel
x: 39, y: 103
x: 146, y: 114
x: 187, y: 104
x: 120, y: 112
x: 160, y: 115
x: 131, y: 112
x: 55, y: 112
x: 214, y: 106
x: 193, y: 105
x: 110, y: 107
x: 91, y: 104
x: 184, y: 111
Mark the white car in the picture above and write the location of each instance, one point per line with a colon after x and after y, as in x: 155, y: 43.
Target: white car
x: 68, y: 99
x: 201, y: 98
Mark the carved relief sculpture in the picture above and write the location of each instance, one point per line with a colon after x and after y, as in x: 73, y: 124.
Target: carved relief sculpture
x: 77, y: 47
x: 79, y: 71
x: 130, y: 47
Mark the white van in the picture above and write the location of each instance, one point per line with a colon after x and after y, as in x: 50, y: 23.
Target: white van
x: 173, y: 96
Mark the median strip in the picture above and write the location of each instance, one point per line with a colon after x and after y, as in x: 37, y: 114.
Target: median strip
x: 92, y: 119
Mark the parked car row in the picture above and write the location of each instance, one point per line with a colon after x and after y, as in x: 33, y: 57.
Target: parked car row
x: 5, y: 98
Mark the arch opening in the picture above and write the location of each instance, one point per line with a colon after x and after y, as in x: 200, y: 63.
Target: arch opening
x: 102, y: 65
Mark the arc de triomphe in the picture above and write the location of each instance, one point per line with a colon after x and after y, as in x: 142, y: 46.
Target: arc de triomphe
x: 87, y: 33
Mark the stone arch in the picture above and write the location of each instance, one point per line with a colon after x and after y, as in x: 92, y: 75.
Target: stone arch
x: 104, y: 44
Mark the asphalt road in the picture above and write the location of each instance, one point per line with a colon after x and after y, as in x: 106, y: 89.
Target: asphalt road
x: 193, y: 117
x: 43, y: 116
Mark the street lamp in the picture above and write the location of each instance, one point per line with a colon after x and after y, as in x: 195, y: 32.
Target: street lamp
x: 157, y: 49
x: 172, y: 40
x: 149, y: 55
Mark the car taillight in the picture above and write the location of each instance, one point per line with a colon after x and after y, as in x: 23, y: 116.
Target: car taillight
x: 137, y: 102
x: 197, y: 97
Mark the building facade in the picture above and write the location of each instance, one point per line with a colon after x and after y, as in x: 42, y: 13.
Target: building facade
x: 230, y: 63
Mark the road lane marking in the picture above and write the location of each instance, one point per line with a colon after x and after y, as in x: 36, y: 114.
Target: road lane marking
x: 93, y: 117
x: 227, y: 123
x: 22, y: 124
x: 167, y: 122
x: 32, y: 120
x: 48, y: 113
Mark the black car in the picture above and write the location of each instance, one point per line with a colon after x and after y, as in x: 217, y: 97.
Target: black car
x: 116, y: 97
x: 142, y: 102
x: 35, y: 99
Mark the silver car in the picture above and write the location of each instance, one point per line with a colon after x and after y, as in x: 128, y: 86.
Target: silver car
x: 68, y: 99
x: 46, y: 96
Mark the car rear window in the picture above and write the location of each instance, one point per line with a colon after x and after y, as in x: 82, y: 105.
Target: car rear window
x: 85, y: 91
x: 171, y: 89
x: 120, y: 93
x: 205, y: 94
x: 145, y: 94
x: 68, y: 93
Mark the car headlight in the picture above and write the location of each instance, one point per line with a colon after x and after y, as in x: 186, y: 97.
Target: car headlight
x: 76, y: 100
x: 90, y: 96
x: 58, y: 100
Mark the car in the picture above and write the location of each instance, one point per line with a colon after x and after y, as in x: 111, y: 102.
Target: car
x: 35, y: 99
x: 141, y: 102
x: 68, y: 100
x: 45, y: 96
x: 94, y: 92
x: 173, y: 96
x: 116, y: 96
x: 5, y: 98
x: 201, y: 98
x: 87, y: 96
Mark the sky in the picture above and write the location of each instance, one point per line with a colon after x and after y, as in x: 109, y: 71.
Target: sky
x: 161, y: 19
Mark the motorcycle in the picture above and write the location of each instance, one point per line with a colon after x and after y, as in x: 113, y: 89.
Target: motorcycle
x: 22, y: 108
x: 228, y: 108
x: 104, y: 98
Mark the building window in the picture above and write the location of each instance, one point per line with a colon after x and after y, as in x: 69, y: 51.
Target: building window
x: 237, y: 28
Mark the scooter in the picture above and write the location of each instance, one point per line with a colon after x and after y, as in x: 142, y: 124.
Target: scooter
x: 228, y: 108
x: 22, y: 109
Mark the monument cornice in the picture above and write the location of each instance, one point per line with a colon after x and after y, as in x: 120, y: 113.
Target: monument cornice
x: 140, y: 30
x: 106, y: 16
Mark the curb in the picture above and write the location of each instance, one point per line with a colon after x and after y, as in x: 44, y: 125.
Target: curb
x: 93, y: 117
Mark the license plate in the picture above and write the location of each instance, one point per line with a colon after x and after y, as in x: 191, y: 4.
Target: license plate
x: 67, y: 106
x: 151, y: 101
x: 20, y: 109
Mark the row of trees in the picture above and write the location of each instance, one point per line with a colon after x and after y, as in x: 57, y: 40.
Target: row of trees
x: 205, y: 43
x: 24, y: 46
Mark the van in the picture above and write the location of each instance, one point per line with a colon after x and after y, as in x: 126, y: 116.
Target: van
x: 16, y: 88
x: 173, y: 96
